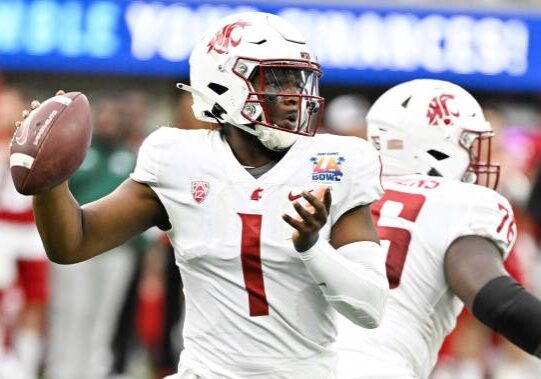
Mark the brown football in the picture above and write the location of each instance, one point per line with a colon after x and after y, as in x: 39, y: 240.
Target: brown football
x: 51, y: 143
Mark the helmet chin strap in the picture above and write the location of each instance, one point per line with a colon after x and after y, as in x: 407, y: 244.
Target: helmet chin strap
x: 276, y: 140
x: 273, y: 139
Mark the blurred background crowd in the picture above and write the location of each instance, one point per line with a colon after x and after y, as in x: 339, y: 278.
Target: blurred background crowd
x: 120, y: 315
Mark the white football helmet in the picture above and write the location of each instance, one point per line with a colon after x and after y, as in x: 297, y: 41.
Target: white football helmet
x: 433, y: 127
x: 242, y: 68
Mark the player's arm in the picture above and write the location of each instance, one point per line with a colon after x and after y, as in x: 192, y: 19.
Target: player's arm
x: 72, y: 234
x: 350, y: 270
x: 475, y: 273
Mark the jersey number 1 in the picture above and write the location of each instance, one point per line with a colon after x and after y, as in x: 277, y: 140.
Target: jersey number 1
x: 250, y: 257
x: 399, y: 238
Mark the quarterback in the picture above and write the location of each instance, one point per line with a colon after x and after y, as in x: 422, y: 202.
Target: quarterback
x: 265, y: 254
x: 446, y: 234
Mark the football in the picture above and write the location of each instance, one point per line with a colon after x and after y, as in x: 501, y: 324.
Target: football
x: 50, y: 143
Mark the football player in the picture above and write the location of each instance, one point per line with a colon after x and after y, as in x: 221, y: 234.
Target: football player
x: 446, y: 232
x: 264, y: 260
x: 23, y: 262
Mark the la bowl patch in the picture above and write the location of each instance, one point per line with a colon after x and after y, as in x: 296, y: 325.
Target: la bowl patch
x: 327, y: 167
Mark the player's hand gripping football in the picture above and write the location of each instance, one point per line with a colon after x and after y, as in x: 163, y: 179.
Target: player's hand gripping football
x: 33, y: 105
x: 311, y: 218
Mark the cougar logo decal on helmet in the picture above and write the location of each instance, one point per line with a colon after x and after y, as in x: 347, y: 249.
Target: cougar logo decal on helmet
x: 224, y: 37
x: 440, y: 110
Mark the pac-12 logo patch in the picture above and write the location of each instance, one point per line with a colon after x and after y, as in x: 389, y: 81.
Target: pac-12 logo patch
x: 327, y: 167
x: 199, y: 191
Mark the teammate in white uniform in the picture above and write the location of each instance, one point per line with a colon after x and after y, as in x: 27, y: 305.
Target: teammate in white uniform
x: 264, y: 261
x: 446, y: 236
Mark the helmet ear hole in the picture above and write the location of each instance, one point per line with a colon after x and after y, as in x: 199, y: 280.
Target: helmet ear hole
x: 434, y: 172
x: 438, y: 155
x: 218, y: 88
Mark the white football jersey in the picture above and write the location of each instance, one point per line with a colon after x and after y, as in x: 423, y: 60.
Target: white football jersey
x: 417, y: 220
x: 19, y: 237
x: 14, y: 207
x: 252, y: 309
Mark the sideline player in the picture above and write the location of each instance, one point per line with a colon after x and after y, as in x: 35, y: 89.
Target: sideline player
x: 260, y: 283
x: 446, y: 235
x: 23, y: 264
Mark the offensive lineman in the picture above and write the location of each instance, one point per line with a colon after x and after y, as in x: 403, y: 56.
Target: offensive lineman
x: 446, y: 236
x: 259, y: 299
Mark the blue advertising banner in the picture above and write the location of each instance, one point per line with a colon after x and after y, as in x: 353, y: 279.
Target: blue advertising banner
x: 355, y: 45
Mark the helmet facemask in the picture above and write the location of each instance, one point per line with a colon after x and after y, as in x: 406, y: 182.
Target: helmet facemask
x: 481, y: 170
x: 283, y: 100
